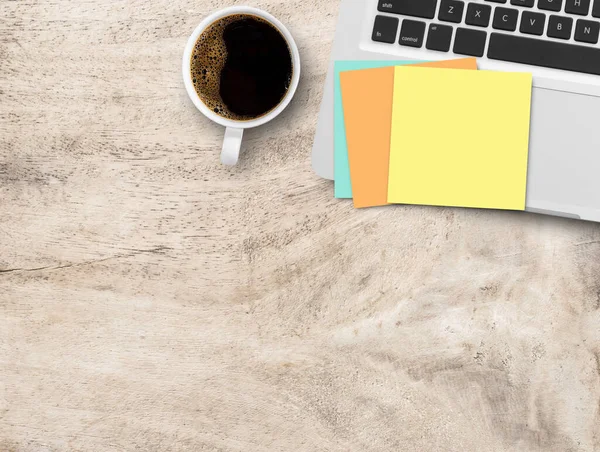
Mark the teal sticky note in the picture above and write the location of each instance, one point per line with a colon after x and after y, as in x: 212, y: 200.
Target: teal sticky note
x: 341, y: 168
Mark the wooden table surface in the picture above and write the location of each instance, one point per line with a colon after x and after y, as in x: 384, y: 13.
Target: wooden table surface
x: 154, y: 300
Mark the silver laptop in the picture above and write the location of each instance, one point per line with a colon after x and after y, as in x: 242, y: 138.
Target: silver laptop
x: 556, y: 40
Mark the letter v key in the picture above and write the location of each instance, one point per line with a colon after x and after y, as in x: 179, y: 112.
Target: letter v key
x: 533, y: 23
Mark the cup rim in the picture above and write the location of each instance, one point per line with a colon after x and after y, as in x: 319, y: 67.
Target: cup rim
x: 187, y: 76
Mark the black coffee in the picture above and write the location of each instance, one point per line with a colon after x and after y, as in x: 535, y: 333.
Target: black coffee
x: 241, y: 67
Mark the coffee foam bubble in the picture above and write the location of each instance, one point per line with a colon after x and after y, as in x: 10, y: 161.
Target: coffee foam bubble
x: 207, y: 62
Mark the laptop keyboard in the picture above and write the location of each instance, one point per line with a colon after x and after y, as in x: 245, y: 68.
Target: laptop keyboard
x: 558, y: 34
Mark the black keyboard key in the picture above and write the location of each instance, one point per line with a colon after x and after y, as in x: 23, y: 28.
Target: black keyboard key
x: 587, y: 31
x: 479, y: 15
x: 470, y: 42
x: 505, y: 19
x: 385, y: 29
x: 560, y: 27
x: 414, y: 8
x: 532, y: 23
x: 551, y: 54
x: 451, y: 11
x: 596, y: 8
x: 412, y: 33
x: 550, y: 5
x: 439, y: 37
x: 581, y: 7
x: 527, y: 3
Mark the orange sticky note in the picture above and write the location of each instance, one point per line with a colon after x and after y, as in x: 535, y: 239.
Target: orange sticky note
x: 367, y: 97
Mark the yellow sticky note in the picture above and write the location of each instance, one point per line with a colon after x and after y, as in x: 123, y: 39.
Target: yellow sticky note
x: 459, y: 138
x: 368, y: 117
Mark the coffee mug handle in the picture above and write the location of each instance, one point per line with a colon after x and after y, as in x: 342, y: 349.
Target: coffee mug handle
x: 231, y: 146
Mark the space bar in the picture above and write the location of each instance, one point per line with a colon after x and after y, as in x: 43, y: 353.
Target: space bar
x: 554, y: 55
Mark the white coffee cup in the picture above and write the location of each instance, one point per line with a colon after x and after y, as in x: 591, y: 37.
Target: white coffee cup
x: 235, y: 129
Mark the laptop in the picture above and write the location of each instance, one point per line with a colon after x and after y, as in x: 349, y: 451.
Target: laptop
x: 555, y: 40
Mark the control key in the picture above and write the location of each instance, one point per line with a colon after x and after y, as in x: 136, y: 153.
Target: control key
x: 412, y: 33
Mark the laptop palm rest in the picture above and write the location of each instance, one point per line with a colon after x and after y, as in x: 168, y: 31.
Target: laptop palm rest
x: 564, y: 155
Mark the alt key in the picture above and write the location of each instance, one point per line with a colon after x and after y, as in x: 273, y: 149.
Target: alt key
x: 412, y: 33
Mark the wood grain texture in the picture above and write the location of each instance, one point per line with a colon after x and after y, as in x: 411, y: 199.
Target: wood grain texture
x: 152, y: 299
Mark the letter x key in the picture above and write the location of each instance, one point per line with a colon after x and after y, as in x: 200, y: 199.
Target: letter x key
x: 478, y: 14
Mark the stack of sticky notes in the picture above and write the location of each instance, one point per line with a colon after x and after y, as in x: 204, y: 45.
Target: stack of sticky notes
x: 441, y: 133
